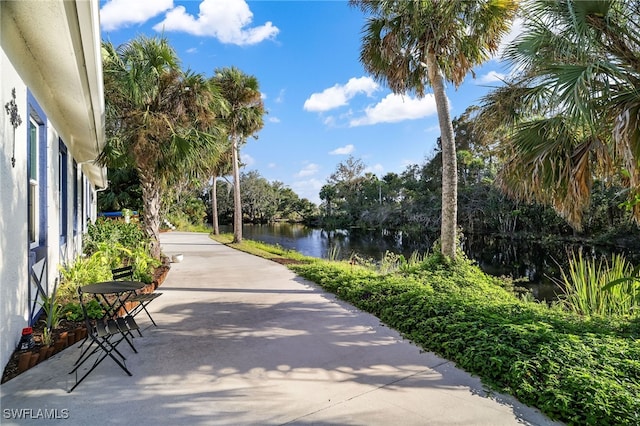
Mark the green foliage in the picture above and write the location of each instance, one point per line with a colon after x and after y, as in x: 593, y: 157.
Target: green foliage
x: 94, y: 310
x: 52, y: 308
x: 575, y: 369
x: 108, y: 244
x: 72, y: 311
x: 83, y: 271
x: 586, y: 291
x: 113, y: 232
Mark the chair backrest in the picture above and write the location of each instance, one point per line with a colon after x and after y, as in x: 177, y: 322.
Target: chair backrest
x: 124, y: 273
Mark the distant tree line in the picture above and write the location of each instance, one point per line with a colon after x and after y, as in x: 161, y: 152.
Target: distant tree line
x: 411, y: 200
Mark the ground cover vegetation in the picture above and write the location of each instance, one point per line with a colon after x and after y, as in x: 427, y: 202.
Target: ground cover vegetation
x: 580, y: 369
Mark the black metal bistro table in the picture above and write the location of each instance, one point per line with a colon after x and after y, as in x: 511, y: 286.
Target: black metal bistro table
x: 122, y: 290
x: 112, y: 296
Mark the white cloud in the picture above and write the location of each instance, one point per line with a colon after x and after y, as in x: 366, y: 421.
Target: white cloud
x: 247, y: 160
x: 227, y: 20
x: 272, y: 165
x: 274, y: 120
x: 491, y: 77
x: 394, y: 108
x: 192, y: 50
x: 376, y: 169
x: 339, y: 95
x: 516, y: 30
x: 329, y: 121
x: 280, y: 98
x: 345, y: 150
x: 309, y: 189
x: 116, y: 14
x: 308, y: 170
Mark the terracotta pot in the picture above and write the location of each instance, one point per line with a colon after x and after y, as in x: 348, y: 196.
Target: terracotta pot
x: 50, y: 350
x: 63, y: 336
x: 43, y: 352
x: 34, y: 359
x: 60, y: 345
x: 79, y: 334
x: 71, y: 339
x: 23, y: 361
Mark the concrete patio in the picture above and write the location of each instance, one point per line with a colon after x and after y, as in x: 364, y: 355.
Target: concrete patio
x: 243, y: 340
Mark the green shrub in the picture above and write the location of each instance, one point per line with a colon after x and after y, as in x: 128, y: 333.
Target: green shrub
x: 72, y: 311
x: 83, y: 271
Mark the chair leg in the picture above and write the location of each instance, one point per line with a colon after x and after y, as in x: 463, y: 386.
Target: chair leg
x: 108, y: 348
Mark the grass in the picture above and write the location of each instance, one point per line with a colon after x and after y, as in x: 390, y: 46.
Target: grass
x: 266, y: 251
x: 577, y: 369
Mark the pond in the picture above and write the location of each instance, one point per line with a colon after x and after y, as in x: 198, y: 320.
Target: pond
x: 537, y: 264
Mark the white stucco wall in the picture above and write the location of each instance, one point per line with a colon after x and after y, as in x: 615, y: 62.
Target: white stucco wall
x: 63, y: 36
x: 13, y: 215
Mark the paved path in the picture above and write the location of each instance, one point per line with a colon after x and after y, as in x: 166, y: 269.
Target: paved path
x: 242, y: 340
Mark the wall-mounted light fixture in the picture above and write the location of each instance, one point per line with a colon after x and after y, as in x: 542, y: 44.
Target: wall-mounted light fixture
x: 12, y: 110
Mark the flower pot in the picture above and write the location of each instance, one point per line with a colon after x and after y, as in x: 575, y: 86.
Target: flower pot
x: 34, y: 359
x: 43, y: 352
x: 23, y: 361
x: 71, y: 339
x: 60, y: 345
x: 50, y: 350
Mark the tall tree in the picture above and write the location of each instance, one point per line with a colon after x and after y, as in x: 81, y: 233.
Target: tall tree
x: 410, y: 45
x: 156, y: 115
x: 572, y: 107
x: 244, y: 119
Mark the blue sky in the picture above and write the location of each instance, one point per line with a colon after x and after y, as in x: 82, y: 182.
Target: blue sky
x: 322, y: 106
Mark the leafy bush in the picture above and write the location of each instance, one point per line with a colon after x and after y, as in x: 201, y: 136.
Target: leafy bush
x: 72, y: 312
x: 575, y: 369
x: 112, y: 233
x: 108, y: 244
x: 83, y: 271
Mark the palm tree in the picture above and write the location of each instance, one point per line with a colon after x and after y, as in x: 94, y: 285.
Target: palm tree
x: 244, y: 119
x: 155, y: 117
x: 570, y: 113
x: 410, y: 45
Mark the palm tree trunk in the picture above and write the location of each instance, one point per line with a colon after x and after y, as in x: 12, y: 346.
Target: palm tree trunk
x: 151, y: 212
x: 214, y: 205
x: 237, y: 206
x: 449, y: 163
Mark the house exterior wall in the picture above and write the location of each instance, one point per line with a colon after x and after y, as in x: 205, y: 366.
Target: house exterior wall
x: 68, y: 181
x: 14, y: 309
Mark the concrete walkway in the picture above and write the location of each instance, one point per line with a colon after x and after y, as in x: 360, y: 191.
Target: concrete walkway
x: 242, y: 340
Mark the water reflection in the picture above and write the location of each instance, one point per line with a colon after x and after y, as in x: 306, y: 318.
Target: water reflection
x: 536, y: 262
x: 321, y: 243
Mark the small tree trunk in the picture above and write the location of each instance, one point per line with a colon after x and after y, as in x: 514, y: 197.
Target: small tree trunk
x: 214, y: 205
x: 237, y: 206
x: 449, y: 162
x: 151, y: 211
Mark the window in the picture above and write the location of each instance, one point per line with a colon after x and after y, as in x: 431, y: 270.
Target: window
x: 76, y: 200
x: 33, y: 138
x: 63, y: 193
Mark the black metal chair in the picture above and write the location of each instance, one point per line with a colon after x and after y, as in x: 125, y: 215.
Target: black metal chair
x: 106, y: 334
x: 126, y: 273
